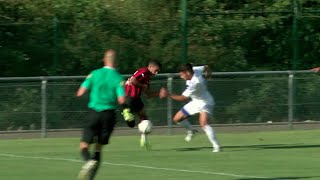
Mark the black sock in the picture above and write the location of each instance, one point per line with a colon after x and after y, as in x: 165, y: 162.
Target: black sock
x: 97, y: 157
x: 124, y: 106
x: 85, y: 154
x: 131, y: 124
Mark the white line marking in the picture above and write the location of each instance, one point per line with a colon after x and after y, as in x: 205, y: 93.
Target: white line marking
x: 136, y: 166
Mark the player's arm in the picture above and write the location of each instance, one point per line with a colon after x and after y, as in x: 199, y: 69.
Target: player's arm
x: 86, y: 84
x: 186, y: 93
x: 81, y: 91
x: 317, y: 69
x: 122, y: 100
x: 145, y: 88
x: 151, y: 94
x: 120, y: 92
x: 183, y: 97
x: 178, y: 97
x: 136, y: 83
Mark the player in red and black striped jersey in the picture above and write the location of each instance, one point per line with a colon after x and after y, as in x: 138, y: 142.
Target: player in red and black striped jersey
x: 137, y: 84
x: 140, y: 82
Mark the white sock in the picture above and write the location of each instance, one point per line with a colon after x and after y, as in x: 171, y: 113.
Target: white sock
x: 143, y: 136
x: 186, y: 124
x: 211, y: 135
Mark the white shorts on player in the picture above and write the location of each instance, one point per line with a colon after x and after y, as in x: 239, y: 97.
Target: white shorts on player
x: 194, y: 107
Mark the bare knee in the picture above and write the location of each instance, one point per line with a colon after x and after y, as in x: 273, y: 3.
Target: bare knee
x: 84, y: 145
x: 178, y: 117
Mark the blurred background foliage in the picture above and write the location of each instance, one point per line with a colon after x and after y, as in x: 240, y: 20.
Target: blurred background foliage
x: 68, y: 37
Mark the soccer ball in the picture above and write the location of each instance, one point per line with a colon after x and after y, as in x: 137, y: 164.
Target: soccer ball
x: 145, y: 126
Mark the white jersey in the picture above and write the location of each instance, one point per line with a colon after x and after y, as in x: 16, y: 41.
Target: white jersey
x: 197, y: 87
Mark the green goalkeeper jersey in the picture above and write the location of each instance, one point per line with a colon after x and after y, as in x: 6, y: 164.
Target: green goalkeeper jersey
x: 105, y: 86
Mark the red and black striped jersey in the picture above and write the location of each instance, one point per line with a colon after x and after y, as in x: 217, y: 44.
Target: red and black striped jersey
x: 143, y: 76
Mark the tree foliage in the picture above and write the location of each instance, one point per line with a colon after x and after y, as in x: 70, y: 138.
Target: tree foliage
x: 66, y: 37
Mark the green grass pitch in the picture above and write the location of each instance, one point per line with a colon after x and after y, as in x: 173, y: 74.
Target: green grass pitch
x: 245, y: 156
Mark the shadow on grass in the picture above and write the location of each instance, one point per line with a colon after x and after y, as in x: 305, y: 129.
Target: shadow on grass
x: 255, y: 147
x: 278, y: 178
x: 192, y: 149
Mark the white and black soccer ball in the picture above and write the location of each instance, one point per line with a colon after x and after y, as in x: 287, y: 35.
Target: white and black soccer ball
x: 145, y: 126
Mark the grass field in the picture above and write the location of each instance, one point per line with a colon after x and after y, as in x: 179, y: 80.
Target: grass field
x: 245, y: 156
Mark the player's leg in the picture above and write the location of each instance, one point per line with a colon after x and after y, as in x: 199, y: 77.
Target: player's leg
x: 139, y: 107
x: 107, y: 122
x: 89, y: 132
x: 84, y: 150
x: 181, y: 118
x: 97, y: 158
x: 135, y: 105
x: 203, y: 120
x: 144, y: 143
x: 127, y: 111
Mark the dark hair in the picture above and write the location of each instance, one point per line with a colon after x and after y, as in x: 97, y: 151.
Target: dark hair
x: 185, y: 67
x: 155, y: 63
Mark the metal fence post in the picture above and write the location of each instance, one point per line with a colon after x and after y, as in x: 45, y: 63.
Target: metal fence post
x: 55, y: 42
x: 169, y: 106
x: 184, y: 31
x: 44, y: 108
x: 295, y: 35
x: 291, y: 100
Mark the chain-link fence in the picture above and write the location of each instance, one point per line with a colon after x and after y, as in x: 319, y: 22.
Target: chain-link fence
x: 42, y: 103
x: 68, y: 37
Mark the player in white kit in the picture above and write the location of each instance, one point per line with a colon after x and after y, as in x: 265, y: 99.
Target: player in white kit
x: 201, y: 102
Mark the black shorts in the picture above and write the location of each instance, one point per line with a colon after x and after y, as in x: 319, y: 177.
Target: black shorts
x: 99, y: 127
x: 135, y: 104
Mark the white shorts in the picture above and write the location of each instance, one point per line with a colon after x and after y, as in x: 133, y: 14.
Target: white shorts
x: 194, y: 107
